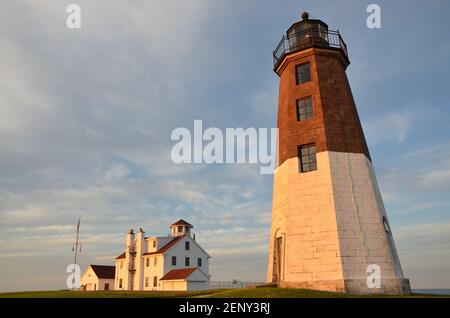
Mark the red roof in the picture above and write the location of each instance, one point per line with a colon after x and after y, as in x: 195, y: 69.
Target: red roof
x: 167, y: 246
x: 121, y: 256
x: 178, y: 273
x: 104, y: 271
x: 181, y: 222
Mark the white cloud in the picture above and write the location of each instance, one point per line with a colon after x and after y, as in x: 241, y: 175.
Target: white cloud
x: 117, y: 172
x: 395, y: 126
x: 425, y: 253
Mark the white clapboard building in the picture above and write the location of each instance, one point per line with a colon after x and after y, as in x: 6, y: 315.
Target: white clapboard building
x: 173, y: 262
x: 98, y: 277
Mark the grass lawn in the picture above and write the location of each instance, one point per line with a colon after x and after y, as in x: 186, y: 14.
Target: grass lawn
x: 214, y: 293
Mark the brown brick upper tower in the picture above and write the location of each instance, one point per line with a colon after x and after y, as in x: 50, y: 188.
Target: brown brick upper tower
x: 328, y: 218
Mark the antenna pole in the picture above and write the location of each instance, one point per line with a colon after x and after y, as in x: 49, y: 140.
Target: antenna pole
x: 76, y: 253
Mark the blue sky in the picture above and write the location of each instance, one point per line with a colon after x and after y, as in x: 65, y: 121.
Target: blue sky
x: 86, y: 117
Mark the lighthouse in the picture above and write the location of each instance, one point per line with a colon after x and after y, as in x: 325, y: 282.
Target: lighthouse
x: 329, y: 230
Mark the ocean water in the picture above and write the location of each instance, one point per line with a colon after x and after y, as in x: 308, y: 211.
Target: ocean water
x: 432, y: 291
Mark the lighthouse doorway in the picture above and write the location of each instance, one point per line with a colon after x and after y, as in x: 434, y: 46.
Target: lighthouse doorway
x: 278, y: 256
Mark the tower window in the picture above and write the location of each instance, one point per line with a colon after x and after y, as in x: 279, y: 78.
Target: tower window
x: 155, y: 281
x: 304, y: 108
x: 386, y: 225
x: 303, y: 73
x: 307, y: 158
x: 147, y: 262
x: 146, y: 281
x: 120, y: 283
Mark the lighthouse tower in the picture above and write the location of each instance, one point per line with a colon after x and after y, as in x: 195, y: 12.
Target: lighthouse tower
x: 329, y: 226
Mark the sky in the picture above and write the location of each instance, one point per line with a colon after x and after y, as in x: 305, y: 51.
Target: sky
x: 86, y: 117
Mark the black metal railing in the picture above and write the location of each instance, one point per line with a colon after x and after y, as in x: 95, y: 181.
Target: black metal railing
x: 312, y: 37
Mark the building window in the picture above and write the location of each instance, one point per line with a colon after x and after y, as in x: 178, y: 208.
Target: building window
x: 146, y: 281
x: 307, y: 158
x: 147, y: 262
x: 187, y: 246
x: 155, y: 261
x: 174, y: 260
x: 304, y: 108
x: 303, y: 73
x: 199, y: 262
x: 120, y: 283
x: 154, y: 243
x: 386, y: 225
x: 155, y: 281
x: 180, y: 229
x: 187, y: 261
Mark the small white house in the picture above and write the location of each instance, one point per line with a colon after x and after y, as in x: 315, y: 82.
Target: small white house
x: 173, y: 262
x: 185, y: 279
x: 98, y: 277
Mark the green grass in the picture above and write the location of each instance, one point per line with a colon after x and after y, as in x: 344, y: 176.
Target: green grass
x: 265, y: 292
x: 106, y: 294
x: 298, y: 293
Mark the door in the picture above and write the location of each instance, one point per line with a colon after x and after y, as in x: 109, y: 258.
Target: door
x: 106, y: 286
x: 277, y: 260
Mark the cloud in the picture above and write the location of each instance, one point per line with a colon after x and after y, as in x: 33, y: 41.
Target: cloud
x: 425, y: 253
x: 394, y: 126
x: 117, y: 172
x: 438, y: 179
x: 410, y: 171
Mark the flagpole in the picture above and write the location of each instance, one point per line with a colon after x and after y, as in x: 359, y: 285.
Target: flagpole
x: 76, y: 252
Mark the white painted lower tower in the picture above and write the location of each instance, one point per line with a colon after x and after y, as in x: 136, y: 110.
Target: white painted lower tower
x: 329, y: 225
